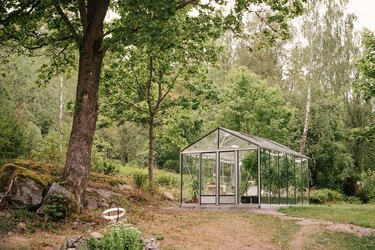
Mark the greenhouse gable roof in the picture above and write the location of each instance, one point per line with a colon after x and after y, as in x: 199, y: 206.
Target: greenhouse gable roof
x: 223, y: 138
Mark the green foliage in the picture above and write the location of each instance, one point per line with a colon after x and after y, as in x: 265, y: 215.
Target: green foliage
x: 166, y: 179
x: 23, y: 214
x: 325, y: 196
x: 140, y: 180
x: 5, y: 226
x: 368, y: 190
x: 118, y: 236
x: 269, y: 115
x: 366, y: 67
x: 326, y: 140
x: 106, y: 167
x: 12, y: 137
x: 56, y: 209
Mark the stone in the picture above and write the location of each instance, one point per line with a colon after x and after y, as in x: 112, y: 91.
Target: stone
x: 91, y: 204
x: 124, y: 187
x: 102, y: 204
x: 22, y: 188
x: 96, y: 235
x: 74, y: 243
x: 168, y: 196
x: 150, y: 244
x: 60, y: 199
x: 25, y: 193
x: 21, y: 226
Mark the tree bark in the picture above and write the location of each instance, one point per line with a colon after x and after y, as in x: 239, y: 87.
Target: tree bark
x: 307, y: 120
x: 77, y: 166
x: 61, y: 113
x: 151, y: 140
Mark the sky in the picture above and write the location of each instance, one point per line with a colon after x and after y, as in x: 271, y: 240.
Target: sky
x: 365, y: 11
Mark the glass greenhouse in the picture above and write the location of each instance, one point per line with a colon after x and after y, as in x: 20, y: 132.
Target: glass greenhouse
x: 229, y: 167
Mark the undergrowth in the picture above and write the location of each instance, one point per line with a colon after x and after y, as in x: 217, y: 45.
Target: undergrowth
x: 118, y: 236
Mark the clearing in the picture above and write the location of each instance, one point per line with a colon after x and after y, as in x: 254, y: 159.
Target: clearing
x: 182, y: 228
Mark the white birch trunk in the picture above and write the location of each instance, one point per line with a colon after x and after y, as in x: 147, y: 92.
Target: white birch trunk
x: 307, y: 119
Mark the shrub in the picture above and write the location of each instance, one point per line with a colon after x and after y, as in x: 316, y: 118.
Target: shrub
x: 105, y: 167
x: 119, y: 236
x: 167, y: 180
x: 140, y: 180
x: 321, y: 196
x: 367, y: 192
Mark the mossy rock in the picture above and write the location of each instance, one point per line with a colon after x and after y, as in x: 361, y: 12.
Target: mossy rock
x: 38, y: 167
x: 9, y: 171
x: 22, y: 188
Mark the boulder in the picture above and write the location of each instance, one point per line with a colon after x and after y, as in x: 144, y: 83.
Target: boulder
x: 22, y: 188
x: 58, y: 203
x: 124, y: 187
x: 168, y: 196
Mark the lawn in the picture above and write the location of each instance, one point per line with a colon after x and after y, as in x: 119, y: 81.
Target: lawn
x: 357, y: 214
x: 339, y: 240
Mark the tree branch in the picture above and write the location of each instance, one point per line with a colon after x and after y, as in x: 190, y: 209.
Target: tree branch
x: 83, y: 13
x: 67, y: 22
x: 264, y: 21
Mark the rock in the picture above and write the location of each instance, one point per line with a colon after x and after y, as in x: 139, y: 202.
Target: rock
x: 21, y: 226
x: 150, y: 244
x: 106, y: 194
x: 58, y: 202
x: 96, y: 235
x: 102, y: 204
x: 168, y: 196
x: 91, y: 204
x: 74, y: 243
x: 124, y: 187
x: 22, y: 188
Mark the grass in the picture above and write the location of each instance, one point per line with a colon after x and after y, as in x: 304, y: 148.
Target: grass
x: 326, y: 240
x: 357, y: 214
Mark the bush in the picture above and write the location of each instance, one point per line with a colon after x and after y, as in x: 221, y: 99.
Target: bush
x: 119, y: 236
x: 321, y: 196
x: 167, y: 180
x: 140, y: 180
x: 105, y: 167
x: 367, y: 192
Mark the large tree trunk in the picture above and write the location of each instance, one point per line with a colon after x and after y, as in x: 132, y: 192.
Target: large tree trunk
x: 307, y: 120
x: 77, y: 166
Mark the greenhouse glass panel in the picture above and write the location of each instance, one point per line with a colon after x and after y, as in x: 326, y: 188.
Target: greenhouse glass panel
x: 190, y: 178
x: 299, y: 180
x: 283, y: 171
x: 227, y: 177
x: 291, y: 181
x: 228, y: 141
x: 274, y: 178
x: 208, y: 177
x: 248, y: 164
x: 306, y: 181
x: 265, y: 181
x: 209, y: 142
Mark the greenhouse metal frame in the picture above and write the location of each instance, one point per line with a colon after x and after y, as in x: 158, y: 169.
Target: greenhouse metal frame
x: 233, y: 168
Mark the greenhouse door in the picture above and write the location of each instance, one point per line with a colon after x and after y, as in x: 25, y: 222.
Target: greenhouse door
x: 227, y: 177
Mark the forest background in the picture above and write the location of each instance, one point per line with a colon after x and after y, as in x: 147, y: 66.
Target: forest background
x: 313, y: 92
